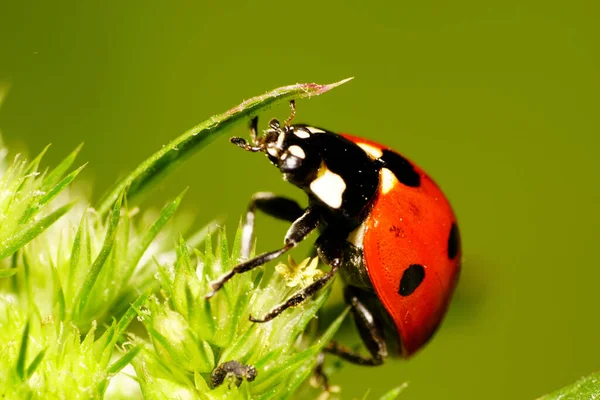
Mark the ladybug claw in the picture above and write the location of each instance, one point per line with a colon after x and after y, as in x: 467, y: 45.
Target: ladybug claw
x: 216, y: 285
x: 259, y: 320
x: 215, y: 288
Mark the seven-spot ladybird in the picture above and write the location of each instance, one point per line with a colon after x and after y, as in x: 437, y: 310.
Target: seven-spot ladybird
x: 385, y: 226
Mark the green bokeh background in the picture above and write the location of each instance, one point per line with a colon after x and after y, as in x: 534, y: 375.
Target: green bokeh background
x: 498, y: 100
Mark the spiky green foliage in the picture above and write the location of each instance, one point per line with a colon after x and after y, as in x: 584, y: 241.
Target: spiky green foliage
x: 190, y: 336
x: 25, y: 192
x: 95, y: 264
x: 72, y: 279
x: 60, y: 288
x: 43, y: 358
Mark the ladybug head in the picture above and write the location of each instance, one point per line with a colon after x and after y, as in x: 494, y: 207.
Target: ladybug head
x: 288, y: 147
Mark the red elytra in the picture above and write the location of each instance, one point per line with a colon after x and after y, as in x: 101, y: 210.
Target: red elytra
x: 411, y: 226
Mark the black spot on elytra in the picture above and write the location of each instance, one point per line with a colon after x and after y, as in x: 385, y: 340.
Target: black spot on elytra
x: 411, y: 279
x: 402, y: 168
x: 453, y: 242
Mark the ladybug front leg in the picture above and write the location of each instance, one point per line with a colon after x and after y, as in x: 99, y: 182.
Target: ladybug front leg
x: 330, y: 251
x: 271, y: 204
x: 369, y: 330
x: 299, y: 230
x: 299, y: 297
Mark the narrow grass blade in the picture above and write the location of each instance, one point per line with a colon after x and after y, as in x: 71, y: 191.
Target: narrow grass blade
x: 123, y: 361
x: 200, y: 236
x: 69, y: 286
x: 299, y: 359
x: 586, y: 388
x: 26, y: 235
x: 61, y: 169
x: 109, y: 240
x: 34, y: 164
x: 131, y: 313
x: 165, y: 216
x: 34, y: 364
x: 7, y: 272
x: 51, y: 194
x: 20, y: 367
x: 66, y: 181
x: 161, y: 162
x: 394, y: 393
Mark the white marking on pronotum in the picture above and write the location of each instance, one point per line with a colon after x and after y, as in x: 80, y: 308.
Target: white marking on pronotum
x: 371, y: 150
x: 388, y: 180
x: 280, y: 140
x: 273, y: 151
x: 328, y: 187
x: 297, y: 151
x: 357, y: 236
x: 302, y: 134
x: 312, y: 129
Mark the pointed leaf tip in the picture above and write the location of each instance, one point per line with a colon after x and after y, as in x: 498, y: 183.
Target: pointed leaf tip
x: 330, y: 86
x: 394, y: 393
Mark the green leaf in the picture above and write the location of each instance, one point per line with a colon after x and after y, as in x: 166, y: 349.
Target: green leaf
x: 296, y: 362
x: 161, y: 162
x: 33, y: 165
x: 123, y: 361
x: 7, y: 272
x: 394, y: 393
x: 92, y: 275
x: 585, y: 388
x: 26, y: 235
x: 187, y: 332
x: 144, y: 241
x: 51, y: 194
x: 20, y: 367
x: 34, y: 364
x: 132, y: 312
x: 57, y: 173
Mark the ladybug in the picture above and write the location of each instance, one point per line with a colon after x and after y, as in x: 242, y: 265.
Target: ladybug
x: 385, y: 225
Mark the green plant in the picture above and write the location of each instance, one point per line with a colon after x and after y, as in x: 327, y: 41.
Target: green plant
x: 73, y: 279
x: 585, y: 388
x: 191, y: 336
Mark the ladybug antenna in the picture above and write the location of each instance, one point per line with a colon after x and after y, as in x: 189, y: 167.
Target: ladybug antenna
x: 292, y: 115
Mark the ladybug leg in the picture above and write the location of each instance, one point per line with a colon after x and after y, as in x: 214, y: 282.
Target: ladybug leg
x: 299, y: 230
x: 254, y: 131
x: 299, y: 297
x: 319, y: 375
x: 370, y: 332
x: 330, y: 252
x: 270, y: 204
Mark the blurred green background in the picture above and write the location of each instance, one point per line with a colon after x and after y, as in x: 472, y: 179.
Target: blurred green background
x: 498, y: 100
